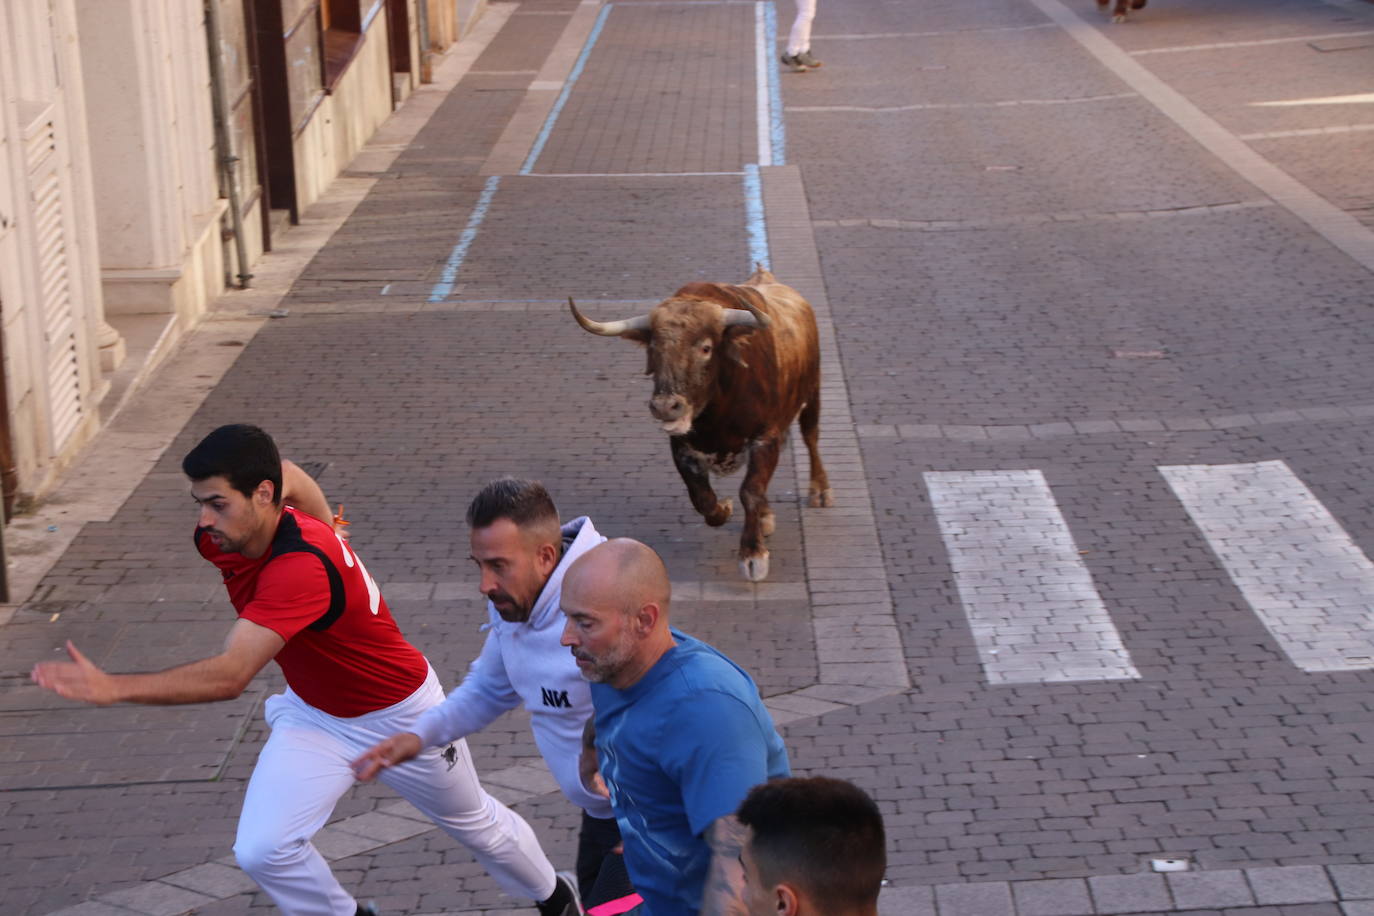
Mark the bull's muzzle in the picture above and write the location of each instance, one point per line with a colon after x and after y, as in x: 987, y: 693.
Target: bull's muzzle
x: 667, y: 407
x: 672, y: 411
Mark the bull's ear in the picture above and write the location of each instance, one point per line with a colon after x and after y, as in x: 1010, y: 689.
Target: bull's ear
x: 638, y: 335
x: 731, y: 340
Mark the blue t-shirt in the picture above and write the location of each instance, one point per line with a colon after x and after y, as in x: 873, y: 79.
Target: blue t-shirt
x: 679, y: 749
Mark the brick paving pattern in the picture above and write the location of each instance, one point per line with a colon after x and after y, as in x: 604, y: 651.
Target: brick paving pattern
x: 1022, y: 265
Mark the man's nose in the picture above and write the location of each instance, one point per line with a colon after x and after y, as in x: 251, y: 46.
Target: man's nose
x: 568, y: 638
x: 207, y: 519
x: 487, y: 585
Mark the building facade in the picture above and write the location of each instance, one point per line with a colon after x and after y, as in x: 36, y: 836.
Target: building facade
x: 51, y: 310
x: 150, y: 151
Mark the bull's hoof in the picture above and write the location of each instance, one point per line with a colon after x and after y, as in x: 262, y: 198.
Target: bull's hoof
x: 724, y: 509
x: 820, y: 498
x: 768, y: 523
x: 1119, y: 17
x: 754, y: 568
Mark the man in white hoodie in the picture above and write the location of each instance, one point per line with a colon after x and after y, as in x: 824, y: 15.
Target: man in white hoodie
x: 522, y: 552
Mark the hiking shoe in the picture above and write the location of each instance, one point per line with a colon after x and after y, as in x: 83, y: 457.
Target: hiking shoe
x: 564, y: 900
x: 801, y: 61
x: 367, y: 909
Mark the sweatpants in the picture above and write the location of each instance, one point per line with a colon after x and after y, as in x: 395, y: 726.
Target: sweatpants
x: 595, y: 842
x: 304, y: 769
x: 800, y: 38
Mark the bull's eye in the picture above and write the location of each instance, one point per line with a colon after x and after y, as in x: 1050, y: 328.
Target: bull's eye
x: 705, y: 348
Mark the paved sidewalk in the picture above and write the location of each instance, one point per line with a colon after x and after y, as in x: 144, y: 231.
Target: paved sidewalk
x: 1005, y: 286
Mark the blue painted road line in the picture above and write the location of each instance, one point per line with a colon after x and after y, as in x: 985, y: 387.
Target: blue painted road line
x: 768, y: 125
x: 567, y: 90
x: 757, y: 225
x: 444, y: 287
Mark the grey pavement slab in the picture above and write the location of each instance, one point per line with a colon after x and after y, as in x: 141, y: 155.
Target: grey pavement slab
x: 156, y: 899
x: 1210, y: 890
x: 991, y: 899
x: 213, y: 879
x: 1307, y: 884
x: 1353, y: 882
x: 1129, y: 893
x: 1053, y: 897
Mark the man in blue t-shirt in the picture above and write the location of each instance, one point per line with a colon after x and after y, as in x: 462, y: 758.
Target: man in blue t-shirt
x: 681, y: 733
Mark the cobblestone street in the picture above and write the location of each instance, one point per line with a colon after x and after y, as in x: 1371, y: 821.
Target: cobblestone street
x: 1098, y: 361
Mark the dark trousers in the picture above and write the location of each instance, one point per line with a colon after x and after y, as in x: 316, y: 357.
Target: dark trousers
x: 595, y: 841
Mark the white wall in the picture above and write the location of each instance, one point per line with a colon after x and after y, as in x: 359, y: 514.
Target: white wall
x: 51, y: 302
x: 346, y: 118
x: 157, y: 193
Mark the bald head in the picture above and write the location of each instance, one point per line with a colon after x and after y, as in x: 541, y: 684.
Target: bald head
x: 624, y: 572
x: 615, y: 597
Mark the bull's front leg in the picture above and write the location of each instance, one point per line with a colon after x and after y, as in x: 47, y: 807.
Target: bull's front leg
x: 758, y: 517
x: 698, y: 480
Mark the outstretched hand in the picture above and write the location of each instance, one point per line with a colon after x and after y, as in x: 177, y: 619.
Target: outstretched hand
x: 397, y: 749
x: 79, y: 679
x: 590, y: 772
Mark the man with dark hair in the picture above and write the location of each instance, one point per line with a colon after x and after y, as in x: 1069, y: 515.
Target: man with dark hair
x: 816, y: 848
x: 305, y: 599
x: 681, y: 734
x: 521, y: 553
x: 243, y: 455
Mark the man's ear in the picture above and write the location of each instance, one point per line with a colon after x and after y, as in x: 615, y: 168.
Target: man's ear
x: 646, y: 618
x: 265, y: 494
x: 546, y: 559
x: 788, y: 903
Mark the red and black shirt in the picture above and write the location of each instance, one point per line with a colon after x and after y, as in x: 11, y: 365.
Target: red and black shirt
x: 344, y: 653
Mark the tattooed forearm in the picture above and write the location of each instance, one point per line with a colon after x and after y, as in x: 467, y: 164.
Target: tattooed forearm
x: 724, y: 891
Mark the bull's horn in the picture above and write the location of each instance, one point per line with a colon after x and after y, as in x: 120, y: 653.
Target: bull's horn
x: 609, y: 328
x: 752, y: 317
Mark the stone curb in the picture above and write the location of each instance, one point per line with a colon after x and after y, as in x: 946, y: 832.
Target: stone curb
x: 1100, y: 895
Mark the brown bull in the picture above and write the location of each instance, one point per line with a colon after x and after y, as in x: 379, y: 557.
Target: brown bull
x: 733, y: 366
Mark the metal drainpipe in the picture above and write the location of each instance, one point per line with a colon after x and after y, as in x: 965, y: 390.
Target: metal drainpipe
x: 8, y: 473
x: 4, y: 561
x: 224, y: 144
x: 422, y: 17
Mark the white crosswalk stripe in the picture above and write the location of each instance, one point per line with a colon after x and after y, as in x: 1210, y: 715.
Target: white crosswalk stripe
x: 1030, y: 601
x: 1309, y: 583
x: 1036, y: 615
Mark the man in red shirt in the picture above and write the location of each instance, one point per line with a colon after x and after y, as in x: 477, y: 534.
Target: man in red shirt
x: 305, y: 599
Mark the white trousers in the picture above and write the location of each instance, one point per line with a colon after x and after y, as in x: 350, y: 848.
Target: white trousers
x: 304, y: 769
x: 800, y: 38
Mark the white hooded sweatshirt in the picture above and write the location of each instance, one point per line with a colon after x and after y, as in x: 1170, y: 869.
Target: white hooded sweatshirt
x: 525, y: 662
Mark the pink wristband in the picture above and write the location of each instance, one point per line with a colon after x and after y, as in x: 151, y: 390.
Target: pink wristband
x: 617, y: 906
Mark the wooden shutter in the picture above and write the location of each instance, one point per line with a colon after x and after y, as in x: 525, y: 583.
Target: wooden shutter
x: 54, y: 280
